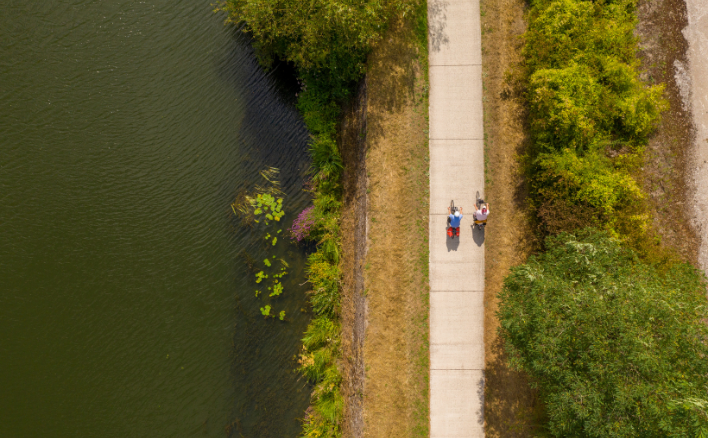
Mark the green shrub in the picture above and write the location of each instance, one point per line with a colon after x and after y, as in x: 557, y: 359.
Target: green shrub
x: 589, y: 180
x: 327, y: 40
x: 616, y: 348
x: 589, y: 113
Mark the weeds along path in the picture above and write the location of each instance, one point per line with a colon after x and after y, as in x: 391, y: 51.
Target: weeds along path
x: 697, y: 35
x: 395, y: 390
x: 457, y: 285
x: 510, y: 406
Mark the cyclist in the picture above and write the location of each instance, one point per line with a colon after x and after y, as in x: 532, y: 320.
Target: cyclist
x: 482, y: 211
x: 453, y: 221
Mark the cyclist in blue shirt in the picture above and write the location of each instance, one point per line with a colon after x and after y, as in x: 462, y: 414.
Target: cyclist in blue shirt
x: 454, y: 222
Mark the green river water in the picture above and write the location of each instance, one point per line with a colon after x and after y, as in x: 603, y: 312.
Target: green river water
x: 126, y: 310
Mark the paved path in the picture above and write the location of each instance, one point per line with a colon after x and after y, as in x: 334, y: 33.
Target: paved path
x: 697, y: 35
x: 456, y: 266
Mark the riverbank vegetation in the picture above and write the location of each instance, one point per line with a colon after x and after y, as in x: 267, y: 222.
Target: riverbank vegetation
x: 328, y: 42
x: 609, y: 325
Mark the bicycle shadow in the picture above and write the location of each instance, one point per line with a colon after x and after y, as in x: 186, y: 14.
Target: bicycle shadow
x: 477, y: 235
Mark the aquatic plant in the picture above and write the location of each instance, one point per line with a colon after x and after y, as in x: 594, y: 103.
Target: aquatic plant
x: 260, y: 276
x: 249, y: 204
x: 277, y: 289
x: 303, y: 224
x: 261, y: 208
x: 267, y: 205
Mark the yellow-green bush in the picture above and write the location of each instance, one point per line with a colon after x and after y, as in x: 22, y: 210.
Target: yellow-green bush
x: 590, y: 114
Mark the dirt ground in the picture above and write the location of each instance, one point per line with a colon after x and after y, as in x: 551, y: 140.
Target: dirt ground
x: 663, y: 55
x: 353, y: 147
x: 511, y: 407
x: 395, y: 282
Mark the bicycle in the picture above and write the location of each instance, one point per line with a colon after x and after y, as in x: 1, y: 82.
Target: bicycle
x: 480, y: 223
x: 453, y: 231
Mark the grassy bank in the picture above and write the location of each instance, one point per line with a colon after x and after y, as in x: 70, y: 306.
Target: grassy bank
x: 328, y: 42
x: 396, y: 347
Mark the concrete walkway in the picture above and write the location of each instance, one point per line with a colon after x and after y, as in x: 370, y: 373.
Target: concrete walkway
x: 456, y: 266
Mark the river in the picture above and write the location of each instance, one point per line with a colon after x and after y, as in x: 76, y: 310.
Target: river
x: 126, y: 310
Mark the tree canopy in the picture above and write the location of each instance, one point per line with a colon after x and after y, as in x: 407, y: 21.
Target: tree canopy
x: 616, y: 348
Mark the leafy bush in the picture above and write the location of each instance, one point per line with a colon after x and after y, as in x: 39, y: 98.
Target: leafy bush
x: 327, y: 40
x: 616, y: 348
x: 590, y: 114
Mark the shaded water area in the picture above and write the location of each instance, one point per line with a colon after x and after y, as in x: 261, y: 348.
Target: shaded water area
x: 126, y: 309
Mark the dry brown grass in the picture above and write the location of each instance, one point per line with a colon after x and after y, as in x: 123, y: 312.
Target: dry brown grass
x: 395, y: 391
x: 511, y: 408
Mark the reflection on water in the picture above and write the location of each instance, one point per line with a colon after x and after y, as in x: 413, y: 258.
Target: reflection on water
x: 127, y: 128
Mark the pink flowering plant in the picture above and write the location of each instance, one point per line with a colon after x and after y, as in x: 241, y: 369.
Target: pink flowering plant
x: 303, y: 224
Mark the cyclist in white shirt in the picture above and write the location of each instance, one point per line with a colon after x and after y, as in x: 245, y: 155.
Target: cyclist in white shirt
x: 482, y: 212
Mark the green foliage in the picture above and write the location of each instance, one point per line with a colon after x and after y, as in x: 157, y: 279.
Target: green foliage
x: 327, y: 40
x: 588, y: 180
x: 324, y: 277
x: 281, y: 315
x: 266, y: 262
x: 318, y: 362
x: 265, y: 311
x: 616, y: 348
x: 267, y: 205
x: 277, y: 289
x: 590, y: 114
x: 260, y: 276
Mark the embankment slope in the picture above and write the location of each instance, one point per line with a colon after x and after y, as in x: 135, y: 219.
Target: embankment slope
x: 395, y: 390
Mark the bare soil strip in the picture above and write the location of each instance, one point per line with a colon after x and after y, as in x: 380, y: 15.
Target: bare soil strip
x: 511, y: 408
x: 696, y: 32
x: 667, y: 164
x: 395, y: 392
x: 353, y: 147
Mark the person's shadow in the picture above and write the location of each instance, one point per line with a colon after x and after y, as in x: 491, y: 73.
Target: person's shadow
x: 477, y: 235
x: 452, y: 244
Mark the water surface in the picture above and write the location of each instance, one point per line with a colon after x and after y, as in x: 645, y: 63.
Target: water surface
x: 126, y: 129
